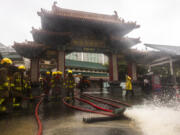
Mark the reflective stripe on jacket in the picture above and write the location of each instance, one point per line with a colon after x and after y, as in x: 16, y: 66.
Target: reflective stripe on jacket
x: 4, y: 86
x: 69, y: 82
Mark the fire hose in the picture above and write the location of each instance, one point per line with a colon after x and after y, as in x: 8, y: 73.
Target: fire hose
x: 116, y: 114
x: 87, y: 120
x: 92, y: 104
x: 101, y: 101
x: 107, y: 99
x: 86, y: 110
x: 36, y: 111
x: 37, y: 117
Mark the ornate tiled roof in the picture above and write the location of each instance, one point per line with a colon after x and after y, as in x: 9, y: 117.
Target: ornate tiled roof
x: 29, y: 49
x: 57, y: 11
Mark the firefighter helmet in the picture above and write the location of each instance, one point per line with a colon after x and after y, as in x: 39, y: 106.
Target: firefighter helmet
x: 54, y: 73
x: 69, y: 71
x: 59, y: 72
x: 21, y: 67
x: 6, y: 60
x: 128, y: 77
x: 47, y: 72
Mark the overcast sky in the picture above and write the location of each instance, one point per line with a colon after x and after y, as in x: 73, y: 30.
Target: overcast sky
x: 159, y: 19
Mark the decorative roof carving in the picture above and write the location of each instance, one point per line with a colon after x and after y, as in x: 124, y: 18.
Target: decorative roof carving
x: 57, y: 11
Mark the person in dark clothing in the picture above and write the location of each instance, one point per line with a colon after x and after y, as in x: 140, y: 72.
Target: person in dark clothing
x: 101, y: 84
x: 47, y: 85
x: 146, y: 86
x: 81, y: 85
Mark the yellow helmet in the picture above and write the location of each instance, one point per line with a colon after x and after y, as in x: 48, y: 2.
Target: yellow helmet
x: 47, y: 72
x: 21, y: 67
x: 69, y: 71
x: 54, y: 73
x: 6, y: 60
x: 128, y: 77
x: 59, y: 72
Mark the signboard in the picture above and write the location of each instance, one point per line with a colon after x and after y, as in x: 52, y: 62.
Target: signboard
x: 88, y: 49
x: 88, y: 43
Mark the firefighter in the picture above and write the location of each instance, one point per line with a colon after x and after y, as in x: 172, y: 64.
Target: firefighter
x: 28, y: 89
x: 47, y: 85
x: 4, y: 84
x: 56, y: 84
x: 47, y: 82
x: 70, y: 85
x: 53, y: 84
x: 129, y: 86
x: 82, y: 86
x: 4, y: 90
x: 41, y: 82
x: 19, y: 86
x: 59, y: 83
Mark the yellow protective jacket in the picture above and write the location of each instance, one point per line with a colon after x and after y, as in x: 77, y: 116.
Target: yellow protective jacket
x: 69, y: 83
x: 27, y: 85
x: 57, y: 82
x: 4, y: 86
x: 19, y: 84
x: 128, y: 85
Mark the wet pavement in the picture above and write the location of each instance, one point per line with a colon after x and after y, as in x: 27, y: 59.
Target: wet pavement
x: 58, y: 119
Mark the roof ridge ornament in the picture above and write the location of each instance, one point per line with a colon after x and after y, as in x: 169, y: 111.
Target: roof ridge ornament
x: 55, y: 3
x: 116, y: 14
x: 54, y: 6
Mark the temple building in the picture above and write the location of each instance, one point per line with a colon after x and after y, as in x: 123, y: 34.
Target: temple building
x: 65, y: 31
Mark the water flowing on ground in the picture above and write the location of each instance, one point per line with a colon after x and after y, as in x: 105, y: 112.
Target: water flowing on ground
x: 156, y: 117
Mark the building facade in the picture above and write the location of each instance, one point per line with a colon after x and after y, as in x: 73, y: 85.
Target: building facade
x: 65, y: 31
x: 88, y: 57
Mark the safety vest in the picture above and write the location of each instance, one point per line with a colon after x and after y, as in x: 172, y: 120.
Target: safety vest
x: 27, y: 85
x: 18, y: 85
x: 56, y: 82
x: 53, y: 83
